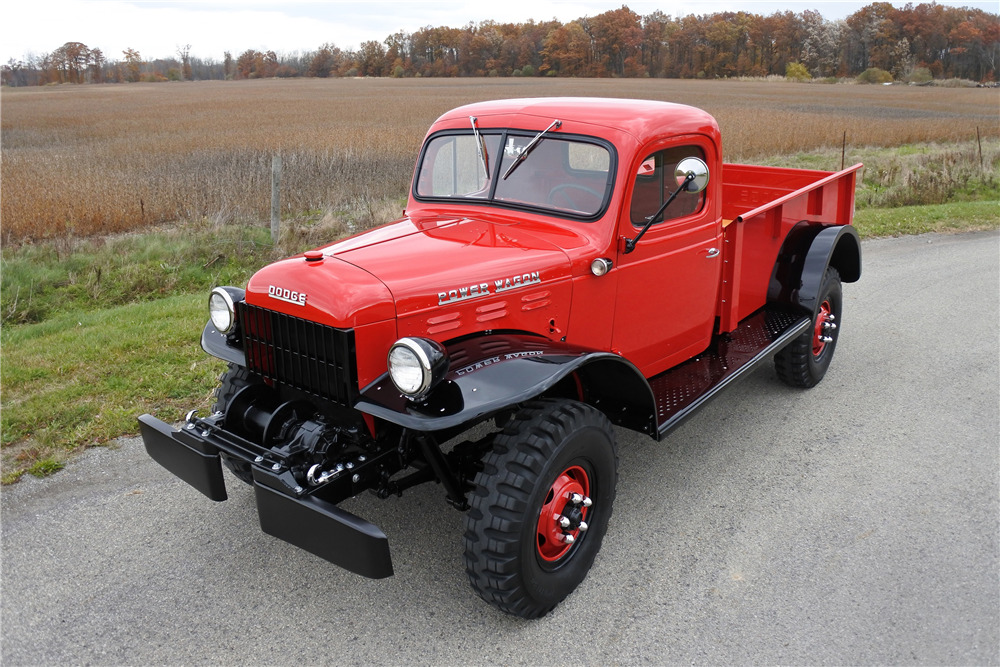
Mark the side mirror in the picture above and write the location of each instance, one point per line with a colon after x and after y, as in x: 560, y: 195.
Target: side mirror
x: 696, y: 169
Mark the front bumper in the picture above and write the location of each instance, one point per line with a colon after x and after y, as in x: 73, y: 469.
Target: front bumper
x: 308, y: 522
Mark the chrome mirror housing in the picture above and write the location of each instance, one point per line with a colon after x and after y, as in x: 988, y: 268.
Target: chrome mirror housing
x: 696, y: 169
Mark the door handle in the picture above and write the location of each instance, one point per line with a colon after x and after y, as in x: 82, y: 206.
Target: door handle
x: 712, y: 252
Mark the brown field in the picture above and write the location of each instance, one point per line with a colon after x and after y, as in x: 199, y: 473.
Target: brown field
x: 95, y: 159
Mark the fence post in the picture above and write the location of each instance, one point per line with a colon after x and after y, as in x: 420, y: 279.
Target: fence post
x: 275, y: 197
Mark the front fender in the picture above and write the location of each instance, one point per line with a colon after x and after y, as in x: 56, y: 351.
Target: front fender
x: 217, y: 345
x: 491, y: 373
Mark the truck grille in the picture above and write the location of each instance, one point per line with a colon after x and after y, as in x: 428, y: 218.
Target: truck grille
x: 311, y: 357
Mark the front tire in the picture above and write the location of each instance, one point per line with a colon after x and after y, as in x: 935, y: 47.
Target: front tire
x: 805, y: 360
x: 540, y: 507
x: 233, y: 380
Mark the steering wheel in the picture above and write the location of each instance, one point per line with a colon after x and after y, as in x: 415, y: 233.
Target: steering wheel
x: 564, y: 189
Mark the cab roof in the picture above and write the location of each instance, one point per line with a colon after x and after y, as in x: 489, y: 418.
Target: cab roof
x: 640, y: 118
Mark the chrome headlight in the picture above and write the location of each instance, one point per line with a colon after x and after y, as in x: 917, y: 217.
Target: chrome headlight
x: 222, y: 310
x: 416, y: 365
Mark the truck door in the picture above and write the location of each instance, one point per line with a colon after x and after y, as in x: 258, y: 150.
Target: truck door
x: 668, y: 285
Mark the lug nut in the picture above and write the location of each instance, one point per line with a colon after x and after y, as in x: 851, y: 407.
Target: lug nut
x: 563, y: 521
x: 568, y: 539
x: 583, y: 526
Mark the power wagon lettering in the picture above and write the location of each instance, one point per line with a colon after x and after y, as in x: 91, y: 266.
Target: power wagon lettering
x: 483, y: 289
x: 479, y: 365
x: 673, y: 275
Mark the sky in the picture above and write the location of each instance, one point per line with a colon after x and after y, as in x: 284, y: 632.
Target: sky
x: 158, y: 28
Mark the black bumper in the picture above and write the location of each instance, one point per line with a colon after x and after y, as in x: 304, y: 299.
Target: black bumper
x: 310, y: 523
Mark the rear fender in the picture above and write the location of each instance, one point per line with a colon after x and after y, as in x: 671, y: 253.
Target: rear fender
x: 492, y: 373
x: 808, y: 250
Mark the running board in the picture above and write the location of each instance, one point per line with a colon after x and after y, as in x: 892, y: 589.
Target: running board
x: 680, y: 391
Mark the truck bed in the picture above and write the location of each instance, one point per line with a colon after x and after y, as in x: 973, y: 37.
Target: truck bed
x: 760, y: 205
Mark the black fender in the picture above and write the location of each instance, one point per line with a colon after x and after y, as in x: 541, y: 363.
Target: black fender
x: 491, y: 373
x: 221, y: 345
x: 217, y: 345
x: 808, y: 250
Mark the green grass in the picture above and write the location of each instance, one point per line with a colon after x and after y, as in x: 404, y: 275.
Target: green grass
x: 80, y: 379
x: 912, y: 174
x: 43, y: 280
x: 955, y: 217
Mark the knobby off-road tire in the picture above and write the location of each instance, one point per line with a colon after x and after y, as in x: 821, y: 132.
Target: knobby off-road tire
x: 230, y: 382
x: 804, y: 362
x: 550, y: 451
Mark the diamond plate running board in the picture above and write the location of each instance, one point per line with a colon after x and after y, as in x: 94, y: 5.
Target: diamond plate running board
x: 680, y: 391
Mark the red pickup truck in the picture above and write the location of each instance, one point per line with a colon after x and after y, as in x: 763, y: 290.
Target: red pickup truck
x: 563, y: 266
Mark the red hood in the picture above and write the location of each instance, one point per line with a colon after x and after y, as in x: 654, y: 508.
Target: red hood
x: 448, y: 261
x: 414, y: 266
x: 329, y: 291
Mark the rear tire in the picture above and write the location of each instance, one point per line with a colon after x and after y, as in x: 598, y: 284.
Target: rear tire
x: 555, y: 460
x: 233, y: 380
x: 804, y: 361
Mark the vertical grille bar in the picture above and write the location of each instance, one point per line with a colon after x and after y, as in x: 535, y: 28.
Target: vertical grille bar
x: 311, y: 357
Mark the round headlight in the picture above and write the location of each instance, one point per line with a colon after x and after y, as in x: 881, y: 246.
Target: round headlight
x: 222, y: 310
x: 416, y: 365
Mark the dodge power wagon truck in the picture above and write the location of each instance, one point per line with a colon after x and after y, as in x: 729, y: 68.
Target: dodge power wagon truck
x: 562, y: 267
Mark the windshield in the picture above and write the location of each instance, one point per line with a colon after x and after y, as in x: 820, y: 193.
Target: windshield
x: 569, y: 175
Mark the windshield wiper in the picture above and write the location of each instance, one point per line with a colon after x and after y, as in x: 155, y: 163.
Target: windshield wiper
x: 480, y: 149
x: 527, y: 149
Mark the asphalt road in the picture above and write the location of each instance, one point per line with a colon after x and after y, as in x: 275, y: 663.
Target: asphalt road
x: 854, y: 523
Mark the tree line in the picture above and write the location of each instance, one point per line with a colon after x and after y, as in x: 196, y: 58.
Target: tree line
x: 915, y: 43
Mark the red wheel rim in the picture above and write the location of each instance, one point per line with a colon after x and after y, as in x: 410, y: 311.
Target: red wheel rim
x: 550, y: 539
x: 820, y: 327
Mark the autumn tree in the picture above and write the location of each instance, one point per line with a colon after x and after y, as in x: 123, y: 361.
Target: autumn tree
x: 566, y: 50
x: 616, y: 41
x: 133, y: 65
x: 72, y: 61
x: 371, y: 59
x: 184, y: 53
x: 325, y: 62
x: 256, y: 65
x: 822, y: 48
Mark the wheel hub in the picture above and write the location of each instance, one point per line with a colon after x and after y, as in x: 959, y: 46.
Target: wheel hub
x: 563, y: 515
x: 822, y: 328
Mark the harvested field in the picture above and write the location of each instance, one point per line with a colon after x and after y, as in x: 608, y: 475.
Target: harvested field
x: 98, y: 159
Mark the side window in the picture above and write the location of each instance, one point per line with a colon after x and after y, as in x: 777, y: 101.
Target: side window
x: 654, y: 183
